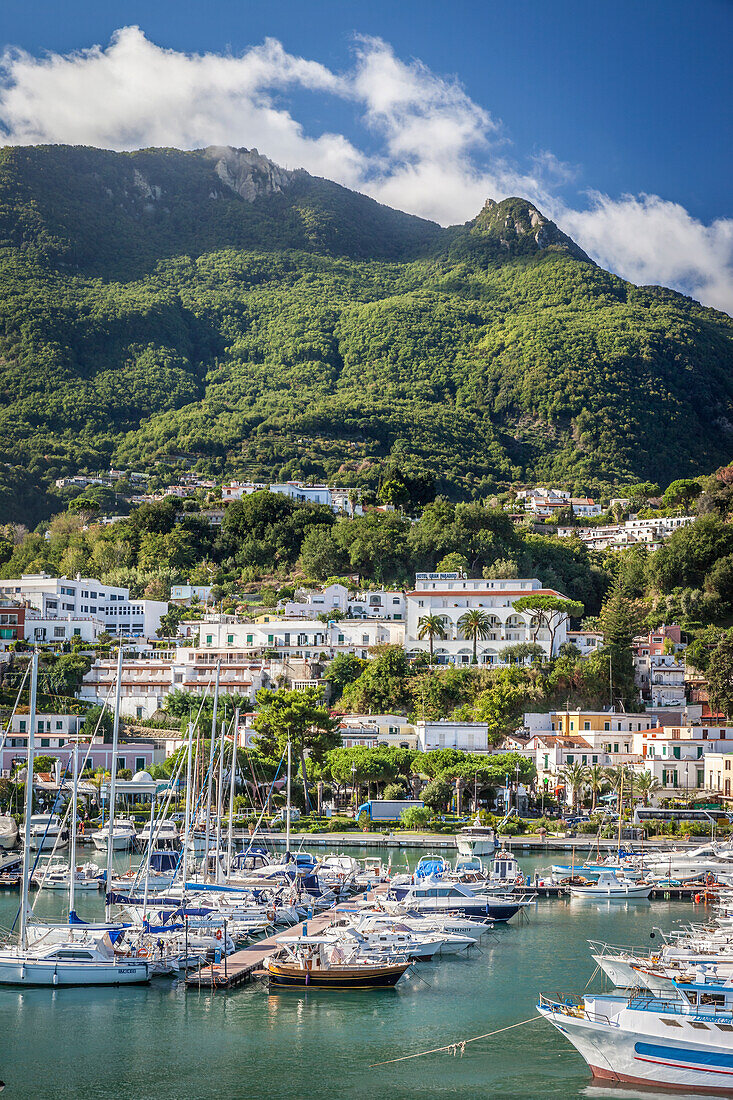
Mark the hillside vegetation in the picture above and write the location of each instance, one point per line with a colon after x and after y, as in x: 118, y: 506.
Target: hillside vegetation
x: 272, y: 324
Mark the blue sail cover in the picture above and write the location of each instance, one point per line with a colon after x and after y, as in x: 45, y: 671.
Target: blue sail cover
x: 427, y: 867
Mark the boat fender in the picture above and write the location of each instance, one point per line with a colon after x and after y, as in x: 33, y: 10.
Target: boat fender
x: 698, y: 899
x: 218, y: 933
x: 519, y: 881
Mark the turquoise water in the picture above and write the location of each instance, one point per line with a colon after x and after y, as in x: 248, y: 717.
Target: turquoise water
x: 162, y: 1042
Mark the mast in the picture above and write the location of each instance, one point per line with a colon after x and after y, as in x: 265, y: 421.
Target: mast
x: 72, y: 854
x: 287, y: 809
x: 113, y: 787
x: 187, y: 819
x: 28, y: 805
x: 220, y: 799
x: 207, y: 832
x: 620, y: 814
x: 235, y: 735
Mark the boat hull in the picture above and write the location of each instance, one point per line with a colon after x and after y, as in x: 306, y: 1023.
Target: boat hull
x: 637, y: 1058
x: 365, y: 977
x: 39, y: 973
x: 49, y: 842
x: 119, y: 843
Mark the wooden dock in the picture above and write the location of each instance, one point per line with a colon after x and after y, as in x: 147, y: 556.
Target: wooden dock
x: 241, y: 966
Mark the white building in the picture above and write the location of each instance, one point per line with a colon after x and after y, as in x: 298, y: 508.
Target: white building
x: 450, y: 596
x: 585, y: 506
x: 310, y: 603
x: 587, y: 641
x: 374, y: 730
x: 39, y: 628
x: 634, y: 532
x: 337, y: 499
x: 59, y: 599
x: 235, y: 490
x: 286, y: 639
x: 466, y: 736
x: 185, y: 594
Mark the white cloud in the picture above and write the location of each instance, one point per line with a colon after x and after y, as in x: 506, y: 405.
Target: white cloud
x: 439, y: 154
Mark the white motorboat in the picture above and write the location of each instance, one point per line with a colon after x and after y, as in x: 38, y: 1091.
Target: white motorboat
x: 8, y: 831
x: 610, y: 886
x: 476, y: 840
x: 47, y: 833
x: 165, y: 834
x: 57, y: 876
x: 680, y: 1040
x: 124, y: 836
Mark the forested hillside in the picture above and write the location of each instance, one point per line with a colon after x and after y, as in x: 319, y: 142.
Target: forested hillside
x: 270, y: 324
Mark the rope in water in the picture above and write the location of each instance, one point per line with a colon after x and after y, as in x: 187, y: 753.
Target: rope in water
x: 455, y: 1048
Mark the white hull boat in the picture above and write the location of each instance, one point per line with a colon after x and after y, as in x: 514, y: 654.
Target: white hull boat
x: 610, y: 887
x: 8, y: 831
x: 123, y: 837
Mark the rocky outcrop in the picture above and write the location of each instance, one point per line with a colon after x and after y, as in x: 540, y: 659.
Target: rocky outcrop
x: 518, y: 225
x: 247, y: 172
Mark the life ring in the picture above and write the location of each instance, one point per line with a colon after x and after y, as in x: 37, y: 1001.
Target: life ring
x: 142, y: 953
x: 218, y: 933
x: 271, y: 914
x: 519, y: 880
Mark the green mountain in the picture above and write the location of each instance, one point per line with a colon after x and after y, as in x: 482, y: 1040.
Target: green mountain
x: 268, y: 323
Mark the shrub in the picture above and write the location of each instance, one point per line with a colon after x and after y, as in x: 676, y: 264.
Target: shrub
x: 415, y: 817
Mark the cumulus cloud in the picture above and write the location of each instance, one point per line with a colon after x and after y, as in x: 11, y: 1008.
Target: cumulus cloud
x: 431, y: 151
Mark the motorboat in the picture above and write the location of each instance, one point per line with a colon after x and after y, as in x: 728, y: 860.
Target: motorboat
x: 476, y: 840
x: 165, y: 834
x: 435, y: 895
x: 609, y: 885
x: 316, y: 962
x: 8, y: 831
x: 47, y: 833
x: 80, y: 959
x: 57, y: 876
x: 680, y: 1040
x: 124, y: 836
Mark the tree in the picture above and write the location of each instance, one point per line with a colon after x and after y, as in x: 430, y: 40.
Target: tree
x: 619, y: 781
x: 415, y: 817
x: 94, y: 724
x: 475, y: 624
x: 383, y: 686
x: 620, y: 620
x: 320, y: 557
x: 596, y: 782
x: 523, y: 651
x: 437, y: 793
x: 547, y: 612
x: 298, y: 717
x: 646, y: 785
x: 431, y: 627
x: 575, y: 777
x: 393, y: 792
x: 343, y: 670
x: 720, y: 676
x: 64, y: 677
x: 452, y: 563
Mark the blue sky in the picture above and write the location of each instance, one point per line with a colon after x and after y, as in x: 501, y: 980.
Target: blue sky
x: 614, y: 117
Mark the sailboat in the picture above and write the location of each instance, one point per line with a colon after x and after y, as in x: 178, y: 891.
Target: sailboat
x: 81, y: 957
x: 8, y: 831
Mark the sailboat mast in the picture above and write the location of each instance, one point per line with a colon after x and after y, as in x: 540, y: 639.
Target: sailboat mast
x: 232, y: 779
x: 28, y: 804
x: 220, y: 799
x: 72, y: 854
x: 187, y: 821
x: 207, y: 832
x: 287, y: 808
x: 113, y: 786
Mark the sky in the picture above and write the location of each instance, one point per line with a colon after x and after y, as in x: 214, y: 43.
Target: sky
x: 614, y: 118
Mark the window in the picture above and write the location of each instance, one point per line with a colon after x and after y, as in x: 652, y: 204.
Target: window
x: 45, y: 742
x: 209, y: 639
x: 21, y: 726
x: 230, y: 639
x: 139, y: 763
x: 250, y: 639
x: 615, y: 746
x: 586, y: 725
x: 571, y: 758
x: 341, y: 639
x: 595, y: 759
x: 606, y: 725
x: 59, y: 724
x: 121, y: 763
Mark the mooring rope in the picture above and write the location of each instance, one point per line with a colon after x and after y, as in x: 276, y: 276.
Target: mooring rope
x: 457, y: 1047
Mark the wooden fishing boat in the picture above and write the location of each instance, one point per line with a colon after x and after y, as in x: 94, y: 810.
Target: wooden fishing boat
x: 318, y: 963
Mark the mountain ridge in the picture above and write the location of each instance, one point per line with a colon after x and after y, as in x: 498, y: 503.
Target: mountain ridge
x: 274, y: 324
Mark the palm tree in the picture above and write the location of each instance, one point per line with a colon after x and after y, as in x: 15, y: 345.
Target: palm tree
x: 618, y: 781
x: 474, y: 625
x: 430, y: 627
x: 646, y: 785
x: 597, y: 783
x: 575, y: 777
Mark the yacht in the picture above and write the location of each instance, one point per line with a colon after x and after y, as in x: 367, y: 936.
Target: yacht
x: 57, y: 876
x: 47, y: 832
x: 8, y: 831
x: 165, y: 834
x: 680, y: 1040
x: 435, y: 895
x: 476, y: 840
x: 124, y: 836
x: 610, y: 886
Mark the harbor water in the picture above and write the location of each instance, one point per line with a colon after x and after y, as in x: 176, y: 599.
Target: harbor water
x: 164, y: 1042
